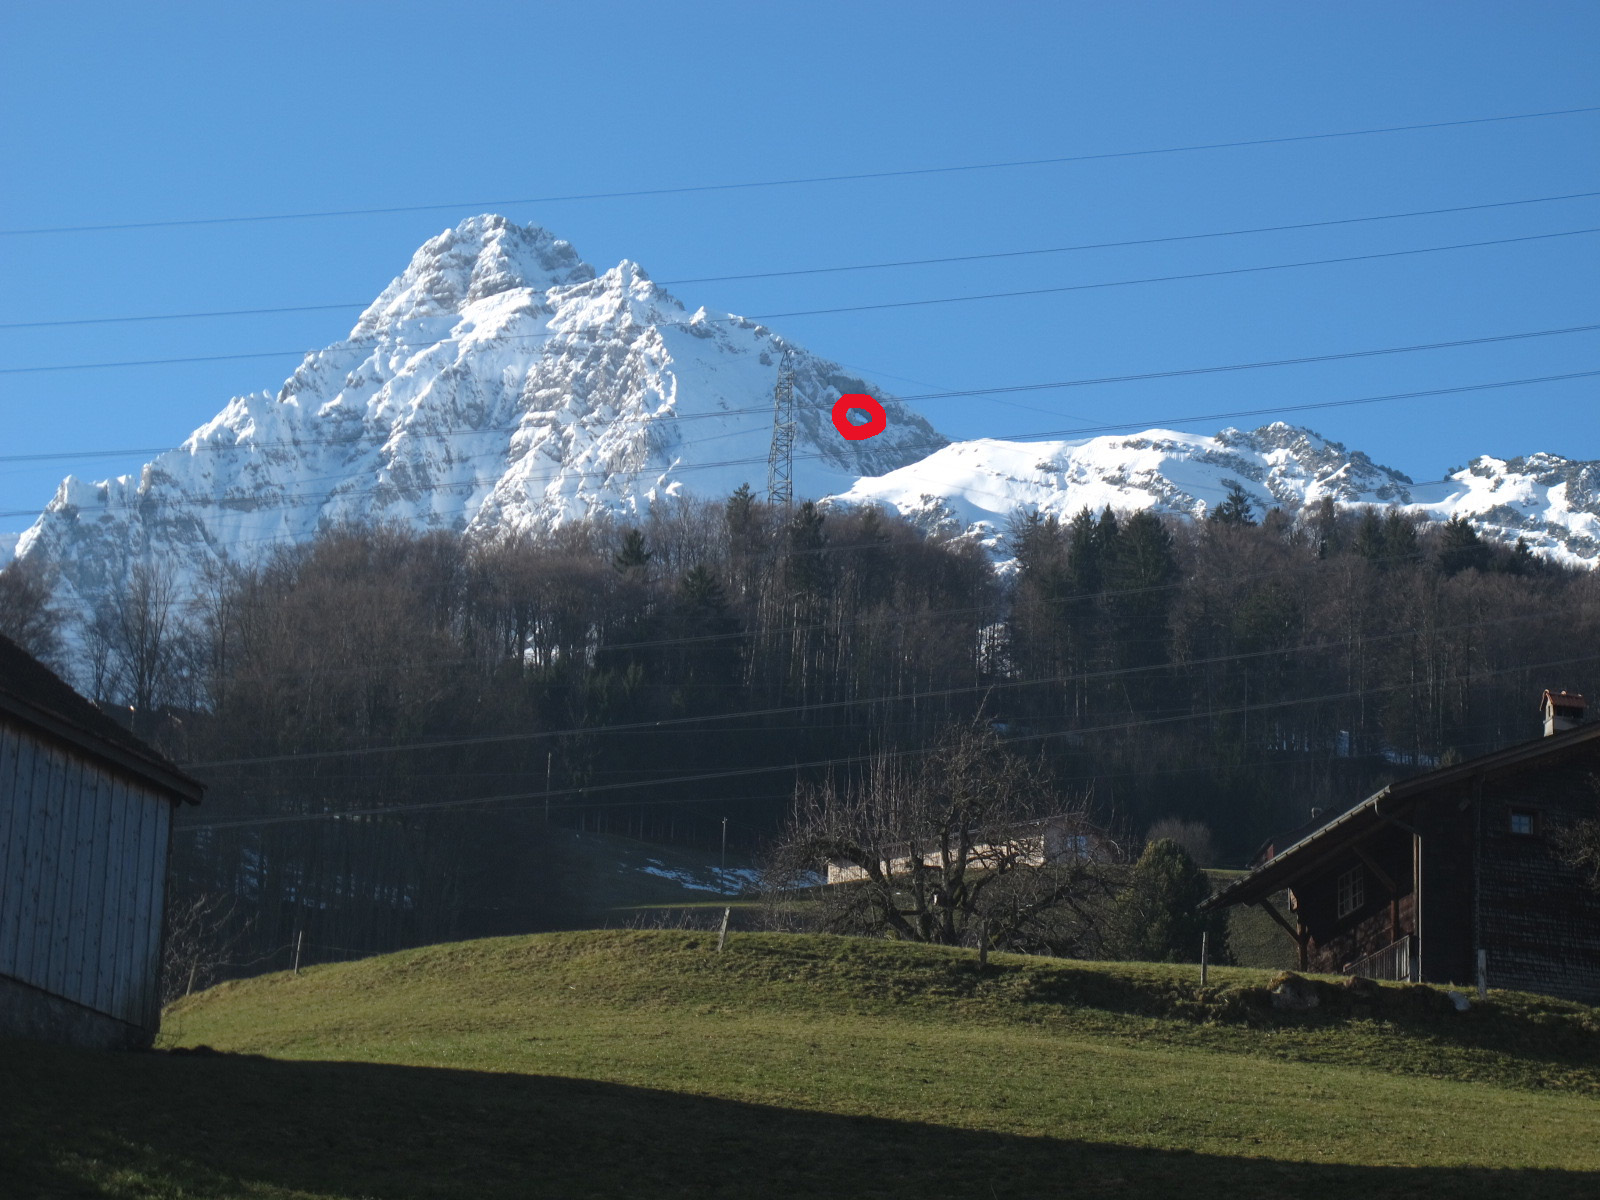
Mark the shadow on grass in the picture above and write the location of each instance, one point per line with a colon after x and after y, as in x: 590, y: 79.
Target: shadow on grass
x: 1554, y: 1033
x: 78, y: 1123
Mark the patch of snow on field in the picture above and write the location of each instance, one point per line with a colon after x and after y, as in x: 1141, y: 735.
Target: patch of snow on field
x: 723, y: 881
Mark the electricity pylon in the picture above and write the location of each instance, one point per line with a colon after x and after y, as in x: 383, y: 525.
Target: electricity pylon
x: 780, y: 460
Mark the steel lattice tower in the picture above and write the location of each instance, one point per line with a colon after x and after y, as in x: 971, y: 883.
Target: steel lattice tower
x: 780, y: 460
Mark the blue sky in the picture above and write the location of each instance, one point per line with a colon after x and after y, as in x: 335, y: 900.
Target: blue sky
x: 116, y: 113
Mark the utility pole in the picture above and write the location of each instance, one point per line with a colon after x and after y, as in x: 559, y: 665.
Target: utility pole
x: 780, y: 460
x: 724, y: 843
x: 549, y: 758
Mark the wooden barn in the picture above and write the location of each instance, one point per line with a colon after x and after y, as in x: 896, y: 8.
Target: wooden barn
x: 85, y: 819
x: 1452, y: 872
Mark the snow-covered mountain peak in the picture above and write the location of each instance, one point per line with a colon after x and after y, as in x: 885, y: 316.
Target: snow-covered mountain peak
x: 623, y: 297
x: 498, y: 382
x: 481, y: 257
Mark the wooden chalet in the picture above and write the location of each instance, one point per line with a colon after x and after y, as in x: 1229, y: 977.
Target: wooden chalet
x: 1452, y: 872
x: 85, y: 821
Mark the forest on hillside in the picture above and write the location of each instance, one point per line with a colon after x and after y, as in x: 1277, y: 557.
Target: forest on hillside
x: 397, y: 729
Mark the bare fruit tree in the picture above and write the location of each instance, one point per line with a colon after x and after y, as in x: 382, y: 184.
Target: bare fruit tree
x: 967, y: 844
x: 198, y: 943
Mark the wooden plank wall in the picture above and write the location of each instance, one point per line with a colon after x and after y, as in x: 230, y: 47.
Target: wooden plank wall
x: 1539, y: 920
x: 83, y: 863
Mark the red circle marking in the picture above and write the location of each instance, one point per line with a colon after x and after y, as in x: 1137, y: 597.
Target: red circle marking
x: 864, y: 402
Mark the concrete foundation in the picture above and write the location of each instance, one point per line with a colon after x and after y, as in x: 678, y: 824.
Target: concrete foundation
x: 26, y: 1012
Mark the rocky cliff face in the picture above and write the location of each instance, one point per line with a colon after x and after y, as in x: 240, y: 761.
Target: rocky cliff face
x: 501, y: 383
x: 498, y: 383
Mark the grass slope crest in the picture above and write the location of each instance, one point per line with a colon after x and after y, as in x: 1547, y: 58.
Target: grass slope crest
x: 645, y: 1063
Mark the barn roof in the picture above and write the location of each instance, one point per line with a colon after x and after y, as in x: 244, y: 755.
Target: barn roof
x: 1378, y: 809
x: 36, y: 695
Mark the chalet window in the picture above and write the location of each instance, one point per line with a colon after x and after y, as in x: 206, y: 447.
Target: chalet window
x: 1524, y: 821
x: 1352, y: 891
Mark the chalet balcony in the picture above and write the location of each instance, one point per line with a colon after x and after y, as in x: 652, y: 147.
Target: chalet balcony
x: 1394, y: 963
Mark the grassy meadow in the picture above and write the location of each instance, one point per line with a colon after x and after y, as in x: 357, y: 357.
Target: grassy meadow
x: 645, y: 1064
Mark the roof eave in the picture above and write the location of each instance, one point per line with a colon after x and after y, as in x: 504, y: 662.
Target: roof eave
x: 1265, y: 879
x: 164, y: 777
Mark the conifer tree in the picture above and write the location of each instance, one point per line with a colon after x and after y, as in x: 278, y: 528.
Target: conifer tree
x: 1158, y: 917
x: 1030, y: 538
x: 806, y: 544
x: 1083, y: 551
x: 1370, y: 542
x: 633, y: 557
x: 740, y: 510
x: 1399, y: 538
x: 704, y: 632
x: 1105, y: 537
x: 1521, y: 560
x: 1460, y: 548
x: 1140, y: 599
x: 1236, y: 508
x: 1325, y: 527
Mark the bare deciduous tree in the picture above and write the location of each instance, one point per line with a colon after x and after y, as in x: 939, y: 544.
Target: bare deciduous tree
x: 968, y: 846
x: 134, y: 643
x: 197, y: 944
x: 27, y: 615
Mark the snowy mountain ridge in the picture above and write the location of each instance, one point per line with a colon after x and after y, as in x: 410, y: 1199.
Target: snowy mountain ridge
x: 972, y: 488
x: 501, y: 383
x: 498, y: 383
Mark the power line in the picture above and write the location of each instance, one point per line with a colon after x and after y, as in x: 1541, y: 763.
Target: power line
x: 1084, y: 287
x: 812, y: 312
x: 852, y: 760
x: 1284, y: 408
x: 797, y: 181
x: 874, y: 266
x: 310, y: 498
x: 186, y: 316
x: 1175, y: 373
x: 1128, y: 244
x: 876, y: 618
x: 292, y: 499
x: 666, y: 723
x: 1250, y: 366
x: 1089, y: 779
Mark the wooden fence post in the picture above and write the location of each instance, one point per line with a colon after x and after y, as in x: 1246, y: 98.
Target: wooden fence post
x: 722, y: 934
x: 1205, y: 954
x: 1483, y: 974
x: 983, y: 944
x: 299, y: 941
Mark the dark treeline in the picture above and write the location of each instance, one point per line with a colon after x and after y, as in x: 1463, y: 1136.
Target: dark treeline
x: 1237, y: 674
x: 1228, y: 675
x: 571, y: 670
